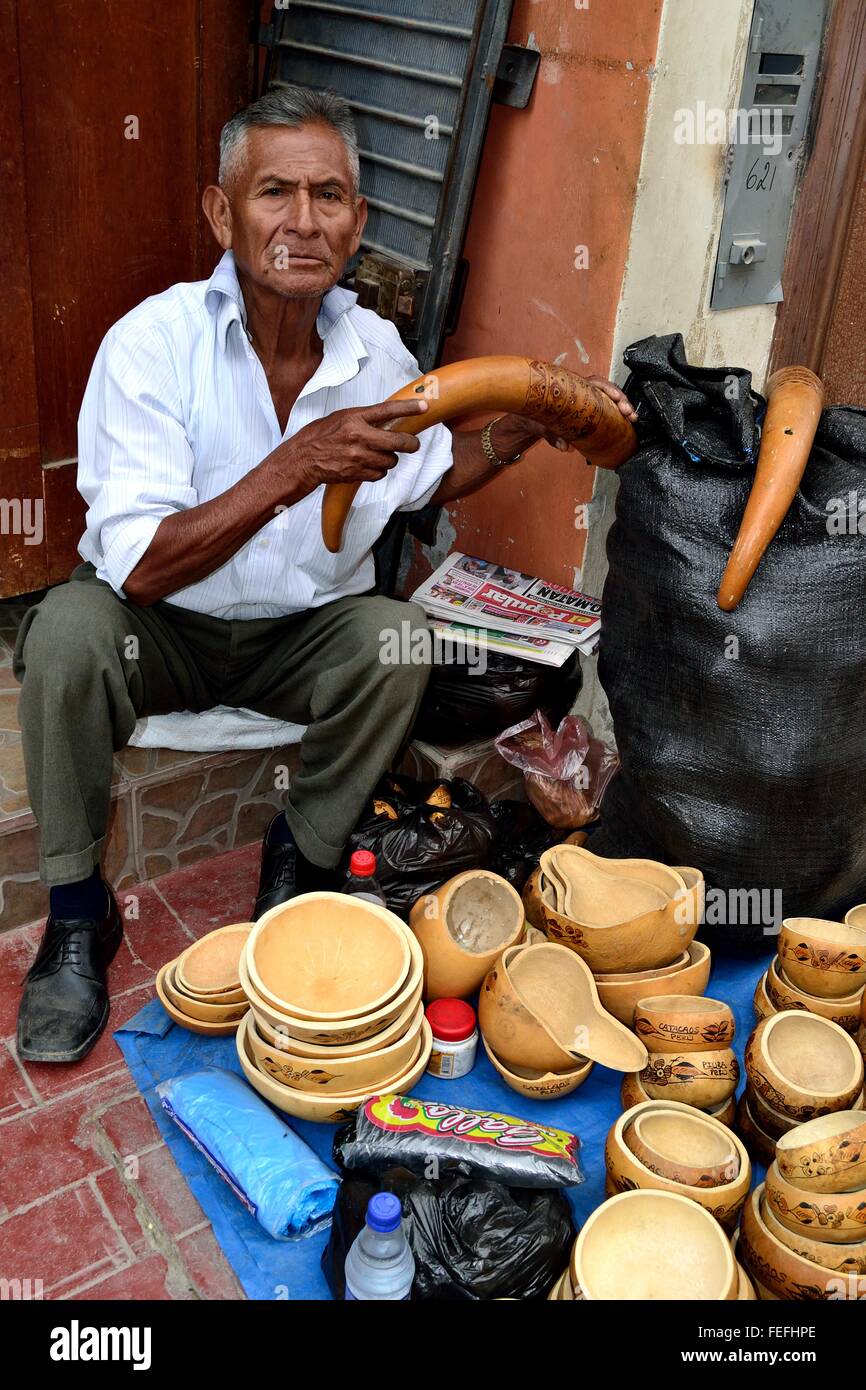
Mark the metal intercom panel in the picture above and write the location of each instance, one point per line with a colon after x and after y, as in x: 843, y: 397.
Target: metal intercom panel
x: 765, y: 144
x: 419, y: 76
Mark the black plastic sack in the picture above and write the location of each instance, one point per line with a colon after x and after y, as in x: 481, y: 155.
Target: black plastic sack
x: 422, y: 833
x: 522, y: 836
x: 742, y: 735
x: 462, y: 702
x: 471, y: 1238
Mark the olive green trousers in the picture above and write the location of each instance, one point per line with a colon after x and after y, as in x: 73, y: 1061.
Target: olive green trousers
x: 91, y: 664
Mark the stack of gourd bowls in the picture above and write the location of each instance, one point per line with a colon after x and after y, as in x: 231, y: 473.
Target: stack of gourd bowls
x: 336, y: 1015
x: 543, y: 1024
x: 799, y: 1066
x: 690, y: 1054
x: 201, y: 989
x: 803, y: 1232
x: 661, y: 1145
x: 819, y: 968
x: 652, y: 1245
x: 631, y: 920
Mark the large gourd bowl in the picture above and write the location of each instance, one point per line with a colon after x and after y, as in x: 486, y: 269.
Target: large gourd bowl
x: 338, y: 1033
x: 323, y: 1073
x: 462, y: 928
x: 328, y: 957
x: 803, y: 1065
x: 822, y: 957
x: 647, y: 940
x: 688, y: 974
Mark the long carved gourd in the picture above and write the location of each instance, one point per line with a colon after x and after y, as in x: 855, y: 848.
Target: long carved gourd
x: 556, y: 397
x: 795, y: 399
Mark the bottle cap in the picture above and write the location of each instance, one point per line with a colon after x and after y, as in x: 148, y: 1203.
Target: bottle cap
x: 452, y: 1020
x: 384, y: 1212
x: 362, y: 863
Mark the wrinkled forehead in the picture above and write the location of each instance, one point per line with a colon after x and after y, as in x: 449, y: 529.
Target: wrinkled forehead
x: 310, y: 154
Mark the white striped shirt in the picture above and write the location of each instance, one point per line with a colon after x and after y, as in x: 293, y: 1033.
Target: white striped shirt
x: 178, y: 409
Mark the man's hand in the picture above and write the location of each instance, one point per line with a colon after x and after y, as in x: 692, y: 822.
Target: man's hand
x: 349, y: 446
x: 519, y: 427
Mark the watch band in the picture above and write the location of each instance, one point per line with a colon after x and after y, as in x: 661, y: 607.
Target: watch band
x: 489, y: 452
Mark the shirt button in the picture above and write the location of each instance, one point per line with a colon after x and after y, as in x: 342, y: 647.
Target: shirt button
x: 264, y: 545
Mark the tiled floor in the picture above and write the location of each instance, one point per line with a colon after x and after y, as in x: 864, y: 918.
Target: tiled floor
x: 91, y: 1202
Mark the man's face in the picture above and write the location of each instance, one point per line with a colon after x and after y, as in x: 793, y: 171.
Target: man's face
x: 294, y: 218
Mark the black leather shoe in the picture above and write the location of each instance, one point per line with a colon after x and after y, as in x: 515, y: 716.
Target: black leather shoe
x: 285, y: 873
x: 64, y: 1008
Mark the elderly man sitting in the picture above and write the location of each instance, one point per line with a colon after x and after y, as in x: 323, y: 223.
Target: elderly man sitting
x: 214, y: 416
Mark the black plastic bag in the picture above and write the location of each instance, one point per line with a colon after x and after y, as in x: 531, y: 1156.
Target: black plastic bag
x: 422, y: 833
x: 522, y: 836
x: 742, y: 735
x: 471, y: 1238
x: 389, y: 1130
x: 461, y: 702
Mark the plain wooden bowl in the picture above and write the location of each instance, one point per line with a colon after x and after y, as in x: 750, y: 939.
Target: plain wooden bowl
x: 682, y: 1023
x: 822, y: 957
x: 323, y: 1074
x: 463, y: 927
x: 598, y: 892
x: 325, y: 1109
x: 783, y: 995
x: 210, y: 965
x: 625, y: 1171
x: 632, y: 1093
x: 761, y: 1146
x: 652, y: 1245
x: 328, y: 957
x: 701, y: 1079
x: 787, y: 1275
x: 838, y: 1218
x: 558, y: 987
x: 827, y: 1154
x: 279, y: 1037
x: 196, y: 1008
x: 340, y: 1032
x: 762, y: 1004
x: 537, y: 1085
x: 685, y: 1149
x: 193, y: 1025
x: 845, y: 1259
x: 688, y: 974
x: 804, y: 1065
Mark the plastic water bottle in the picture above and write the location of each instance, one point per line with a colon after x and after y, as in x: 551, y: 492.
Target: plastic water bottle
x: 361, y: 880
x: 380, y: 1264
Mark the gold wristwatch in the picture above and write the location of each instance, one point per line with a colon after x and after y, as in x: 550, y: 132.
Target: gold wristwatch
x: 489, y: 452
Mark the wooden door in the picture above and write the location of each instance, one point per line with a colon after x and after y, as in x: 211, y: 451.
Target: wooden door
x: 109, y: 123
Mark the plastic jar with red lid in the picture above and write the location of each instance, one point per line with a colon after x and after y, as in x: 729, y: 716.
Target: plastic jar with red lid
x: 455, y: 1038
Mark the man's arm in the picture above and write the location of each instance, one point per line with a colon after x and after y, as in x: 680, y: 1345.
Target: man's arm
x: 346, y: 446
x: 509, y: 436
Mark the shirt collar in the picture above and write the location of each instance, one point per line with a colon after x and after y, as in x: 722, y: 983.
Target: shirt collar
x: 225, y: 301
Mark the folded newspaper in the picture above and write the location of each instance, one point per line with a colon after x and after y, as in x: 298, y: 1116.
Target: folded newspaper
x: 549, y: 619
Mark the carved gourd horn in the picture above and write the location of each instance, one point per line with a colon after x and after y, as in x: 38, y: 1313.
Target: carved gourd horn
x: 795, y: 399
x: 556, y: 397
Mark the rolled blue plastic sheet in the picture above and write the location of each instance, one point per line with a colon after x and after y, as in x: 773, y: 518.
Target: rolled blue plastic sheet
x: 275, y: 1174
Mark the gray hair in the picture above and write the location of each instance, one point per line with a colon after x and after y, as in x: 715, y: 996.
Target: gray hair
x: 291, y: 106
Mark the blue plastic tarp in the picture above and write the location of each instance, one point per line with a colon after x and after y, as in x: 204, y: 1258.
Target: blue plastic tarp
x: 155, y: 1050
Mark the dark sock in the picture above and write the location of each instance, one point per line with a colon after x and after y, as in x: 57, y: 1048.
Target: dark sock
x: 86, y: 898
x: 279, y: 832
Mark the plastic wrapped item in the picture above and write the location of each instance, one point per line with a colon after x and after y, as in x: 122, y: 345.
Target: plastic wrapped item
x: 275, y: 1174
x: 522, y: 836
x: 461, y: 702
x: 393, y: 1130
x: 423, y: 833
x: 472, y: 1238
x: 742, y: 735
x: 565, y: 773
